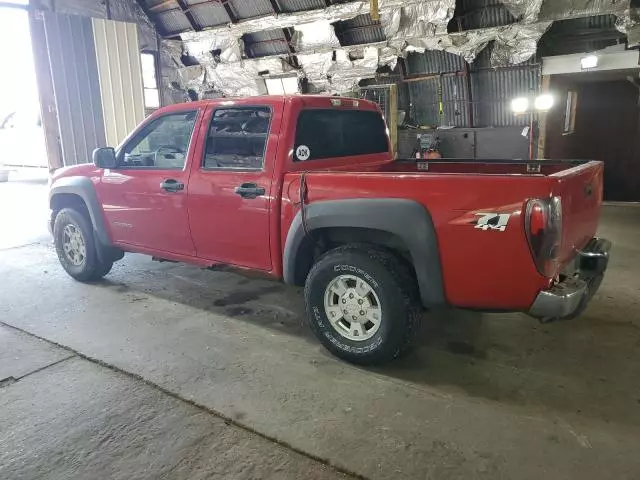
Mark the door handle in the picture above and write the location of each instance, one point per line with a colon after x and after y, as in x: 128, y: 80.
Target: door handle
x: 171, y: 185
x: 249, y: 190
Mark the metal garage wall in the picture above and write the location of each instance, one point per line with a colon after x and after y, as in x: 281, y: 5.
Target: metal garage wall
x: 74, y: 74
x: 120, y: 72
x: 492, y: 89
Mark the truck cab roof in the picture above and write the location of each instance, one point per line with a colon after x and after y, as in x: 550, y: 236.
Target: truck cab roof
x: 312, y: 101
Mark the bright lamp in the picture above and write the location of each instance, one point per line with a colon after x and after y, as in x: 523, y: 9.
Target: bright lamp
x: 543, y: 102
x: 520, y: 105
x: 590, y: 61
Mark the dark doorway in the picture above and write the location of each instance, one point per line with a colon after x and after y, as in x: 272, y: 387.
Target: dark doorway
x: 599, y: 120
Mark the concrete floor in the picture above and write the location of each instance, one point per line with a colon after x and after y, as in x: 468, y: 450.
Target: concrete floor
x: 167, y: 371
x: 27, y: 187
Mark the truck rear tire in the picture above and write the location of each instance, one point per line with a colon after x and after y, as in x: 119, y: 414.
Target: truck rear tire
x: 362, y: 304
x: 75, y: 246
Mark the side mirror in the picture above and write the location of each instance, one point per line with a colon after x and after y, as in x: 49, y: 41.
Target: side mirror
x: 104, y: 157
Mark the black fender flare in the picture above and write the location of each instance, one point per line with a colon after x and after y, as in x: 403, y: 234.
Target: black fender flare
x: 407, y: 219
x: 83, y: 188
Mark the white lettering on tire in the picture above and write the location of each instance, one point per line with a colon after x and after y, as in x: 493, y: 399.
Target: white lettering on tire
x: 359, y: 271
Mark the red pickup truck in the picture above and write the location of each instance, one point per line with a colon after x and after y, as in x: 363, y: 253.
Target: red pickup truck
x: 305, y: 189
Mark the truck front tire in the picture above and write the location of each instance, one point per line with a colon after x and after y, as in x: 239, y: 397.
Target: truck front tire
x: 362, y: 304
x: 76, y: 248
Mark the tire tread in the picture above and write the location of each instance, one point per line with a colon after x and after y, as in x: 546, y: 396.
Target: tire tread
x: 403, y: 278
x: 93, y: 269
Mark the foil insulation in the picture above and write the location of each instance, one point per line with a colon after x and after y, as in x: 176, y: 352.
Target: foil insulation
x: 409, y: 25
x: 171, y: 66
x: 438, y: 12
x: 346, y: 71
x: 530, y: 11
x: 516, y: 43
x: 417, y: 20
x: 316, y: 36
x: 315, y: 67
x: 513, y: 44
x: 564, y: 9
x: 201, y: 46
x: 342, y: 72
x: 526, y: 11
x: 629, y: 24
x: 327, y: 66
x: 241, y: 79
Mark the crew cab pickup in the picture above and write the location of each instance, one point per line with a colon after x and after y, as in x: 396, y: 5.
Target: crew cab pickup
x: 305, y: 189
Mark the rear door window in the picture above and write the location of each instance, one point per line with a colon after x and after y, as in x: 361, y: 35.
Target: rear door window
x: 237, y: 138
x: 325, y: 133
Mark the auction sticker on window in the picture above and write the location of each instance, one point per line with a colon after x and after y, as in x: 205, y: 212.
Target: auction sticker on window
x: 303, y: 152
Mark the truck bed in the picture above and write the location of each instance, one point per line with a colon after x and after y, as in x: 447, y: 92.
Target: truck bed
x: 478, y: 265
x: 488, y: 167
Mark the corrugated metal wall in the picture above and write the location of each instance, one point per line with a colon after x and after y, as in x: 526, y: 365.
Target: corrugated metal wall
x: 425, y: 101
x: 434, y: 62
x: 120, y: 73
x: 207, y: 14
x: 75, y: 81
x: 491, y: 90
x: 268, y: 42
x: 250, y: 9
x: 299, y: 5
x: 359, y: 30
x: 484, y: 14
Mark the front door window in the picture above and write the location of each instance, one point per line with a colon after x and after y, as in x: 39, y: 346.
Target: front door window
x: 162, y: 144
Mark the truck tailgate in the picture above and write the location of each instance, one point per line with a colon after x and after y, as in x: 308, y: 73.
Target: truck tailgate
x: 580, y: 189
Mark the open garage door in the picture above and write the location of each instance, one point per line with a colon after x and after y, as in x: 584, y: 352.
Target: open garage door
x: 90, y: 84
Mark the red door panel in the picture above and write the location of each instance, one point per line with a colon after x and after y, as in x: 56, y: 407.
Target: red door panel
x: 226, y: 227
x: 145, y: 198
x: 140, y: 212
x: 230, y: 188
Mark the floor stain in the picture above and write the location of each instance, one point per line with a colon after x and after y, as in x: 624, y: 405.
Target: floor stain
x: 463, y: 348
x: 238, y: 311
x: 238, y: 298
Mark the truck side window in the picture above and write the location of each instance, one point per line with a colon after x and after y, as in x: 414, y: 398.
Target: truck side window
x: 336, y: 133
x: 237, y: 138
x: 161, y: 144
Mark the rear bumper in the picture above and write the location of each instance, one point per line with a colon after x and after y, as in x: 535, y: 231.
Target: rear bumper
x: 568, y: 298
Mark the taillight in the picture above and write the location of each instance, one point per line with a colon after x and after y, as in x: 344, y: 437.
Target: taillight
x: 543, y: 227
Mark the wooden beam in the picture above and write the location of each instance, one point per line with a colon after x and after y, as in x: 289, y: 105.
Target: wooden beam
x: 393, y: 118
x: 542, y: 122
x: 373, y: 10
x: 422, y: 78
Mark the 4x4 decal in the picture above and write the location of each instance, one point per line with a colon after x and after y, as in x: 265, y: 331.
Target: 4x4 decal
x: 492, y: 221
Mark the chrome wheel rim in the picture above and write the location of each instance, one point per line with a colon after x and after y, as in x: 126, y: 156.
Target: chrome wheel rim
x: 73, y: 245
x: 352, y: 307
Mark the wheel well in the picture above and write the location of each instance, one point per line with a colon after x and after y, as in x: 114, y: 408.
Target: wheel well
x: 325, y: 239
x: 67, y: 200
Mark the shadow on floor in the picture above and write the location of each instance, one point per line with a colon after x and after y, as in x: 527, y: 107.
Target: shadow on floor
x: 586, y: 366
